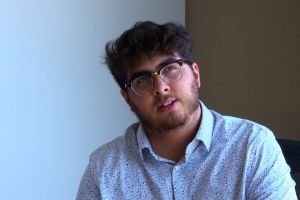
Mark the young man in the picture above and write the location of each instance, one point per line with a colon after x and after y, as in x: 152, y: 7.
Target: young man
x: 179, y: 149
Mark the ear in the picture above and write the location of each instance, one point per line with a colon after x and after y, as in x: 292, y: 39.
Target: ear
x: 196, y: 73
x: 125, y: 96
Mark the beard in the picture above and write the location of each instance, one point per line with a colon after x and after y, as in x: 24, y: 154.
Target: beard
x: 173, y: 119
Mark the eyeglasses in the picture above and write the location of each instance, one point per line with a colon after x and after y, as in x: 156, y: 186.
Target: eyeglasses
x: 142, y: 84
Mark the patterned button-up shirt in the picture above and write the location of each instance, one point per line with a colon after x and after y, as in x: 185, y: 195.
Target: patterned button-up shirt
x: 229, y: 158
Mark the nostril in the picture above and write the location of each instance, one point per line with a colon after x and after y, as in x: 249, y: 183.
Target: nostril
x: 160, y: 87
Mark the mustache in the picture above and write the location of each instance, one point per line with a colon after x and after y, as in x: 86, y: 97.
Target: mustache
x: 160, y: 98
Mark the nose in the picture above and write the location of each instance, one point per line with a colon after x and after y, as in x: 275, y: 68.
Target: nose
x: 160, y: 87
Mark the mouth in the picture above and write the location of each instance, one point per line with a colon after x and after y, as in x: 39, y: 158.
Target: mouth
x: 166, y: 105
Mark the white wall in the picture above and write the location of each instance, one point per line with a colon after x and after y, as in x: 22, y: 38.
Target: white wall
x: 58, y: 102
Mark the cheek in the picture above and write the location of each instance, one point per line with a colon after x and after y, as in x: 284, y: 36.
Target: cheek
x: 184, y: 84
x: 141, y: 103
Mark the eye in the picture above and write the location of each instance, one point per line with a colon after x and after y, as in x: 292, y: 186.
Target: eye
x: 170, y: 69
x: 141, y: 80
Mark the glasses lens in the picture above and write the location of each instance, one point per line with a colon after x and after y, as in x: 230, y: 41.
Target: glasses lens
x: 171, y: 72
x: 142, y: 85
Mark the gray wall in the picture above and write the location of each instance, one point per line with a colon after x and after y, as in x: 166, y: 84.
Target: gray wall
x: 248, y: 53
x: 58, y: 102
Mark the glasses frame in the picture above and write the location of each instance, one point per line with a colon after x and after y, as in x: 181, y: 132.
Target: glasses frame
x: 152, y: 74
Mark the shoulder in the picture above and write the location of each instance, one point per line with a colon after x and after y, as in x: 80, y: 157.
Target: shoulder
x: 116, y: 149
x: 234, y: 127
x: 241, y: 135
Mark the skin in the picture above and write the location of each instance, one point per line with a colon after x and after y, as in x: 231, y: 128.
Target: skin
x: 169, y: 129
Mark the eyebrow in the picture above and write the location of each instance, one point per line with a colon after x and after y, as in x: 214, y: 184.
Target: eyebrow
x: 157, y: 68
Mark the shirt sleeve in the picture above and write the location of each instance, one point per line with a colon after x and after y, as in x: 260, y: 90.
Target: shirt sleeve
x: 269, y: 172
x: 88, y: 189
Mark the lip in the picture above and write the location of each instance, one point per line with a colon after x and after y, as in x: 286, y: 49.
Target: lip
x: 166, y: 105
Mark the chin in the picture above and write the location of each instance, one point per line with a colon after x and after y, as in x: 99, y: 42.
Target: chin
x: 172, y: 121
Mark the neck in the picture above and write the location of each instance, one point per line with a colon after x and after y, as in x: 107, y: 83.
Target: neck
x: 171, y: 144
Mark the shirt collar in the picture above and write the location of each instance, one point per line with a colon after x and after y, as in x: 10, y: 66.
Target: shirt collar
x: 205, y: 130
x: 144, y: 144
x: 142, y: 139
x: 204, y: 133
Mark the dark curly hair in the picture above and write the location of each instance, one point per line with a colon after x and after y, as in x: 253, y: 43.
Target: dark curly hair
x: 146, y: 39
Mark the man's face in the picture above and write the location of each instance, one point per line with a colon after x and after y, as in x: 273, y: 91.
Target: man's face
x: 167, y: 106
